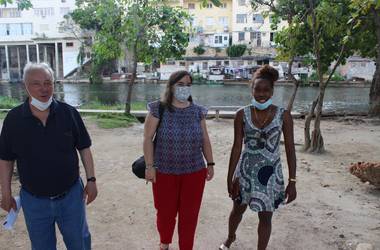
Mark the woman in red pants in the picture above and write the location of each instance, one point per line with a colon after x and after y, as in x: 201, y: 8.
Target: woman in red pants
x: 175, y: 164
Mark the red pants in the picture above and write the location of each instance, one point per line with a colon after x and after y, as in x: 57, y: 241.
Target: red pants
x: 180, y: 194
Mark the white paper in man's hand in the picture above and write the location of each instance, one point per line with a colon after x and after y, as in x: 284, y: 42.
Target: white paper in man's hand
x: 12, y: 215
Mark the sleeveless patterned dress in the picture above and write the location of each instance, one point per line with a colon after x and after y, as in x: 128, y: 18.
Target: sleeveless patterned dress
x: 259, y: 169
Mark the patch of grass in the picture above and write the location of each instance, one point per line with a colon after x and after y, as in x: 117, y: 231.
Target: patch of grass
x: 96, y: 104
x: 8, y: 102
x: 114, y: 120
x: 138, y: 106
x: 3, y: 115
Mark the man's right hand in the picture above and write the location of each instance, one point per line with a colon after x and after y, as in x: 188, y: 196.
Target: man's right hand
x: 8, y: 202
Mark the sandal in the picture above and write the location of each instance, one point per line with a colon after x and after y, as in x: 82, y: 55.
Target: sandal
x: 224, y: 247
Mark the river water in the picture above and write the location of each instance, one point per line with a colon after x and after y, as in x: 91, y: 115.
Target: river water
x: 348, y: 99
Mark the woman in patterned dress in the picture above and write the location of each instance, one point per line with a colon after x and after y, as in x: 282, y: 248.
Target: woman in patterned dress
x: 176, y: 165
x: 255, y: 174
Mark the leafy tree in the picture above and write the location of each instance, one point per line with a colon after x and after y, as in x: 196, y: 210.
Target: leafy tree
x: 21, y: 4
x: 333, y: 41
x: 104, y: 18
x: 367, y: 32
x: 320, y: 30
x: 199, y: 50
x: 149, y: 30
x: 291, y: 42
x: 236, y: 50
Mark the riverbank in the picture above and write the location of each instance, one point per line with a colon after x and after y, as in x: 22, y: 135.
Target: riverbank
x: 334, y: 210
x: 228, y: 82
x: 359, y: 84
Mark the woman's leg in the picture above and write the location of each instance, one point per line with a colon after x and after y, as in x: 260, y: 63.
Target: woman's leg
x: 236, y: 216
x: 264, y: 229
x: 192, y: 186
x: 166, y: 195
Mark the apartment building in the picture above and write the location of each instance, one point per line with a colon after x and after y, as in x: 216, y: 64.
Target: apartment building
x: 35, y: 35
x: 211, y: 25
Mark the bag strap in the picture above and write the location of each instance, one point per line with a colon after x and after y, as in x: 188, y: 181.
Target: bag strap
x: 161, y: 109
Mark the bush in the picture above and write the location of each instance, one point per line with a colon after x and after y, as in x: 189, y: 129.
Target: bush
x: 199, y: 50
x: 236, y: 50
x: 8, y: 102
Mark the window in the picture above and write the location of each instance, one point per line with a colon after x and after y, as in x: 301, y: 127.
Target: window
x: 223, y: 21
x: 241, y: 36
x: 272, y: 36
x: 223, y: 6
x: 218, y: 63
x: 241, y: 18
x: 27, y: 28
x: 9, y: 12
x: 204, y: 65
x: 218, y: 40
x: 43, y: 12
x: 226, y: 63
x: 64, y: 10
x: 209, y: 6
x: 71, y: 44
x: 241, y: 2
x: 3, y: 29
x: 191, y: 6
x: 210, y: 21
x: 15, y: 29
x: 255, y: 35
x: 257, y: 18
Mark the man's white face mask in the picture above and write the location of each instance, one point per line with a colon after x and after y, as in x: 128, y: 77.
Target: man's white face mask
x: 41, y: 106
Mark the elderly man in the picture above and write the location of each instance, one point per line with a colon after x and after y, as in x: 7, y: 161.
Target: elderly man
x: 43, y: 136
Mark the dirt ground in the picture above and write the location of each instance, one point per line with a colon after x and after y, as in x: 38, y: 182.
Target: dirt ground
x: 334, y: 210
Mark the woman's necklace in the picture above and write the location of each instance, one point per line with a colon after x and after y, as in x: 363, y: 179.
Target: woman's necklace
x: 266, y: 118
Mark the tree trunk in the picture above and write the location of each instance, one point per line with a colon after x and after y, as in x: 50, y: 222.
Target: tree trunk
x: 296, y: 84
x: 132, y: 82
x: 308, y: 120
x: 374, y: 95
x: 317, y: 145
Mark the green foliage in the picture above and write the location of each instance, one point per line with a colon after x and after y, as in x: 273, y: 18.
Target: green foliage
x: 199, y: 50
x: 156, y: 31
x: 216, y: 3
x: 21, y: 4
x: 365, y: 29
x: 96, y: 104
x: 337, y: 77
x: 332, y: 31
x: 8, y: 102
x: 109, y: 121
x: 103, y: 17
x: 147, y: 28
x: 236, y: 50
x: 3, y: 115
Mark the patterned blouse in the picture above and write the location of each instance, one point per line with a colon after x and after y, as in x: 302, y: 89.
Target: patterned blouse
x: 179, y: 141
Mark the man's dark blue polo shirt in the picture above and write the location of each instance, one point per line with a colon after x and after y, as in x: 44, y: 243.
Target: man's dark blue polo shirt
x: 47, y: 160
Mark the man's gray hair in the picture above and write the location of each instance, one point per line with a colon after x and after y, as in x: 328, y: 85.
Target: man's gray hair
x: 37, y: 66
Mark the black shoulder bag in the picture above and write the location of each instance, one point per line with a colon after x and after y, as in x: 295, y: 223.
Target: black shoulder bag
x: 139, y: 165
